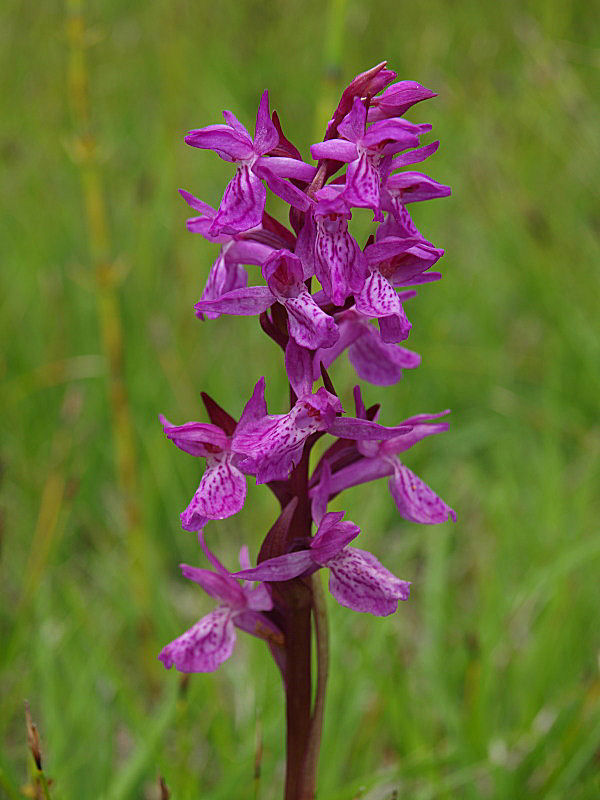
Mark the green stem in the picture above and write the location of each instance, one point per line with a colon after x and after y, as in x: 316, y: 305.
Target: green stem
x: 316, y: 721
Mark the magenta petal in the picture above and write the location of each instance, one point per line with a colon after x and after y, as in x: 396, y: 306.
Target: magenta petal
x: 330, y: 539
x: 352, y: 127
x: 352, y: 428
x: 414, y: 186
x: 308, y: 325
x: 256, y: 408
x: 299, y: 368
x: 265, y: 133
x: 242, y: 205
x: 399, y: 132
x: 395, y: 328
x: 378, y: 362
x: 287, y: 191
x: 233, y: 122
x: 281, y: 568
x: 204, y: 646
x: 230, y: 144
x: 397, y: 99
x: 415, y: 156
x: 192, y: 519
x: 195, y: 438
x: 363, y: 471
x: 340, y: 264
x: 222, y: 490
x: 401, y: 443
x: 362, y: 185
x: 245, y: 251
x: 360, y: 582
x: 245, y: 301
x: 221, y: 587
x: 223, y: 277
x: 415, y: 500
x: 337, y: 149
x: 378, y: 298
x: 290, y: 168
x: 197, y: 205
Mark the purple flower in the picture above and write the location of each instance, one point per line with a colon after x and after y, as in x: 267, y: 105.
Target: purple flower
x: 274, y: 444
x: 307, y: 323
x: 243, y: 202
x: 365, y: 151
x: 208, y: 643
x: 357, y: 579
x: 326, y: 245
x: 415, y: 500
x: 395, y: 261
x: 397, y: 99
x: 409, y: 187
x: 373, y: 358
x: 365, y: 84
x: 227, y: 272
x: 222, y: 490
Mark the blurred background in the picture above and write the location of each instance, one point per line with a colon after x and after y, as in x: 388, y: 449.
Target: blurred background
x: 484, y: 685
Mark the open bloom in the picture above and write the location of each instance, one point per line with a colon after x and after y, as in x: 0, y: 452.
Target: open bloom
x: 357, y: 579
x: 222, y: 490
x: 211, y: 640
x: 366, y: 460
x: 374, y: 359
x: 244, y: 199
x: 227, y: 272
x: 364, y: 150
x: 308, y: 324
x: 329, y: 250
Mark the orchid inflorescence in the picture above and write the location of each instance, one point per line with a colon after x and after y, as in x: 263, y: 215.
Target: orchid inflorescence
x: 313, y: 326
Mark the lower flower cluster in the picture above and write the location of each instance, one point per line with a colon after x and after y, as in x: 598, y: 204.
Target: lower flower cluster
x: 357, y: 306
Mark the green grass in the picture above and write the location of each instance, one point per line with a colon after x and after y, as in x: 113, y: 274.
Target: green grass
x: 486, y: 684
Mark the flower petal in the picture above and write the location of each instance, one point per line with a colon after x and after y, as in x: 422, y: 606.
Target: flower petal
x: 308, y: 325
x: 195, y: 438
x: 223, y: 277
x: 299, y: 368
x: 395, y: 328
x: 287, y: 191
x: 230, y: 144
x: 204, y: 646
x: 243, y: 302
x: 222, y: 490
x: 242, y: 205
x: 377, y: 361
x: 333, y: 535
x: 352, y: 127
x: 290, y: 168
x: 415, y: 500
x: 397, y: 99
x: 221, y: 587
x: 362, y: 185
x: 360, y: 582
x: 337, y: 149
x: 256, y: 408
x: 378, y: 298
x: 265, y: 133
x: 281, y: 568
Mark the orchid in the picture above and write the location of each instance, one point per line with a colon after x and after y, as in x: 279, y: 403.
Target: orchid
x: 268, y: 269
x: 211, y: 640
x: 357, y: 579
x: 244, y: 199
x: 222, y: 490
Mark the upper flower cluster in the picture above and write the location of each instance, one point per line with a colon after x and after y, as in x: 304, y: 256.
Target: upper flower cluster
x: 368, y: 138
